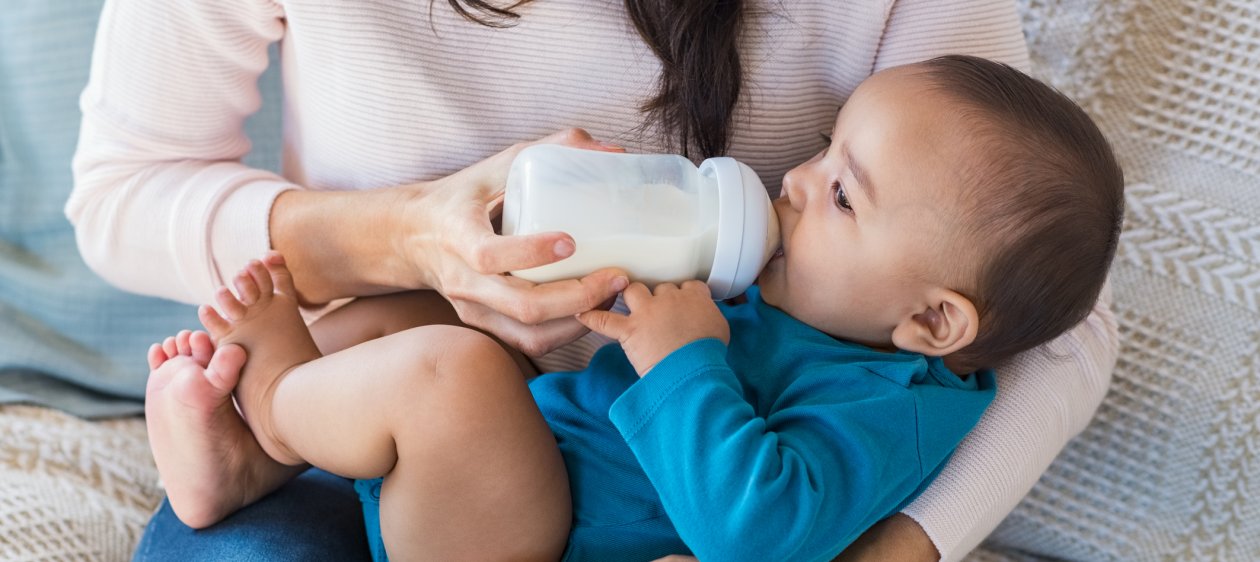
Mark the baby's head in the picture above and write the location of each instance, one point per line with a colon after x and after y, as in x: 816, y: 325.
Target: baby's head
x: 962, y: 209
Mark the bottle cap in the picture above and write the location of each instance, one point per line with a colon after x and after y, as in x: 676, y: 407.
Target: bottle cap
x: 747, y: 228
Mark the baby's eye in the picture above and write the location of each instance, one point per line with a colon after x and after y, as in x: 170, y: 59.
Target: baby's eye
x: 841, y: 198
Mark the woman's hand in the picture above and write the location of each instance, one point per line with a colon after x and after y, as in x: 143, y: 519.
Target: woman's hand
x: 660, y: 322
x: 450, y: 245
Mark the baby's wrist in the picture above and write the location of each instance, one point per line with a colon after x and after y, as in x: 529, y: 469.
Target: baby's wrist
x: 663, y: 354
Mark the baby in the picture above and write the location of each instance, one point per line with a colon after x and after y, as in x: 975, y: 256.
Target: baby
x: 962, y: 213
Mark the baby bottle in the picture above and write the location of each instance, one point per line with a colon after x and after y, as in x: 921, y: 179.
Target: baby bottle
x: 656, y: 216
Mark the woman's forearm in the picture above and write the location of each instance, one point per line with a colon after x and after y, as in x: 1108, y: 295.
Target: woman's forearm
x: 896, y: 539
x: 1045, y: 397
x: 340, y: 243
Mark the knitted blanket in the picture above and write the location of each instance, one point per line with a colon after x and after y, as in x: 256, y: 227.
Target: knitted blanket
x: 73, y: 489
x: 1170, y: 469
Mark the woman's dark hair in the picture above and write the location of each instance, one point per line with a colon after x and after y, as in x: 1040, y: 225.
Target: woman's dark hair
x: 697, y: 44
x: 1046, y: 194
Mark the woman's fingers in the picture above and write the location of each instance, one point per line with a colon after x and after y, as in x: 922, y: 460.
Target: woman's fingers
x: 528, y: 303
x: 533, y: 340
x: 577, y: 138
x: 458, y: 253
x: 488, y: 176
x: 488, y: 253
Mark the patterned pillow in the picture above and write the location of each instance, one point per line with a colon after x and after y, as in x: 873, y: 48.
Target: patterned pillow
x: 1170, y: 468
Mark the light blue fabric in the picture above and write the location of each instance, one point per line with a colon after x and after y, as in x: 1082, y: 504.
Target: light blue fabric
x: 67, y: 339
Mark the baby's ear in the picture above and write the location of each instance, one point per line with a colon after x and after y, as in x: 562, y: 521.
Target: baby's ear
x: 948, y: 323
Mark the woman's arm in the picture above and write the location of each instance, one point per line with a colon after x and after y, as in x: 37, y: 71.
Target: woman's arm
x: 896, y: 539
x: 162, y: 205
x: 1045, y: 397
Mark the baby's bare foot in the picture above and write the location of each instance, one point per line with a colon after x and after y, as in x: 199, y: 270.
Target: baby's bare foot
x: 263, y: 319
x: 209, y: 462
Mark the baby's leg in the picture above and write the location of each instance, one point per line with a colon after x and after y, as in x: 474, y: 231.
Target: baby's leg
x: 209, y: 461
x: 368, y: 318
x: 471, y: 469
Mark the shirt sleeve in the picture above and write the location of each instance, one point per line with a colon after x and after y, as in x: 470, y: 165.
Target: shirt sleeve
x: 798, y: 484
x: 1045, y: 397
x: 161, y: 203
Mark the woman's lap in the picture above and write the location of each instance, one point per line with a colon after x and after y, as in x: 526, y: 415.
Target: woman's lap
x: 316, y: 516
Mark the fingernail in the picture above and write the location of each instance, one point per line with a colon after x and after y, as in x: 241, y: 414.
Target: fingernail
x: 563, y: 248
x: 619, y: 283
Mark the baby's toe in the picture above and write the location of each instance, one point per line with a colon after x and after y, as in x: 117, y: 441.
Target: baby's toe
x: 181, y: 342
x: 156, y: 356
x: 246, y: 287
x: 169, y: 346
x: 280, y: 276
x: 202, y: 347
x: 258, y: 272
x: 231, y: 307
x: 212, y: 321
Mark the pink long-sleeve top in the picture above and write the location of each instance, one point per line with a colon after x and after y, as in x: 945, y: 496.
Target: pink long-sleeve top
x: 384, y: 92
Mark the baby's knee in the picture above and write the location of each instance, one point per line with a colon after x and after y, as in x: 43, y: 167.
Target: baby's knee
x: 466, y: 351
x: 453, y: 355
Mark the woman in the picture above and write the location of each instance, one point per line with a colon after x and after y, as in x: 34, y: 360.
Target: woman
x: 382, y: 94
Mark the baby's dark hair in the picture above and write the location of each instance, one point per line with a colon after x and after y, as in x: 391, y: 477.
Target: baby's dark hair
x: 1044, y: 199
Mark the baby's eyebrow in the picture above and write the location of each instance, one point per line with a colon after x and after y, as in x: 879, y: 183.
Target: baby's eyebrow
x: 859, y: 172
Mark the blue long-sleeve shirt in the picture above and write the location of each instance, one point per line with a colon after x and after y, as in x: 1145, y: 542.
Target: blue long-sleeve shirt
x: 787, y: 444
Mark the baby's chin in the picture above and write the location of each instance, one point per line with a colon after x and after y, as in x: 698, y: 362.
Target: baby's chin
x: 770, y: 284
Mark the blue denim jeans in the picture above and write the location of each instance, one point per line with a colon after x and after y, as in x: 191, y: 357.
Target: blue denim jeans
x: 316, y: 516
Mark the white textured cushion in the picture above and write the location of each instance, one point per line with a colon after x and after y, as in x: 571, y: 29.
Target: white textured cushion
x: 73, y: 489
x: 1170, y: 468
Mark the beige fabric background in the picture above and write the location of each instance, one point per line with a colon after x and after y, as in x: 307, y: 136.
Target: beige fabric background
x: 1169, y: 470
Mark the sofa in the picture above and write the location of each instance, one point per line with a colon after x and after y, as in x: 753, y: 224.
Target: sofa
x: 1169, y: 468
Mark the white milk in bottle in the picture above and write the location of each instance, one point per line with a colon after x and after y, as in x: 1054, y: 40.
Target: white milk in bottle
x: 657, y: 216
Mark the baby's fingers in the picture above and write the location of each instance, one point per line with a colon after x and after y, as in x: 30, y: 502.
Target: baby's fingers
x: 636, y: 295
x: 606, y: 323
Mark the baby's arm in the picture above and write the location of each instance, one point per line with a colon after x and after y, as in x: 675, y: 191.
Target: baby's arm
x: 798, y: 484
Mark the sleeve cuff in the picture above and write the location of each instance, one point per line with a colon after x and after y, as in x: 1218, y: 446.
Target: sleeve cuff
x: 637, y: 405
x: 240, y: 227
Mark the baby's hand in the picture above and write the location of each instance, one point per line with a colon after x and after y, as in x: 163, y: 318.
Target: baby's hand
x: 660, y: 323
